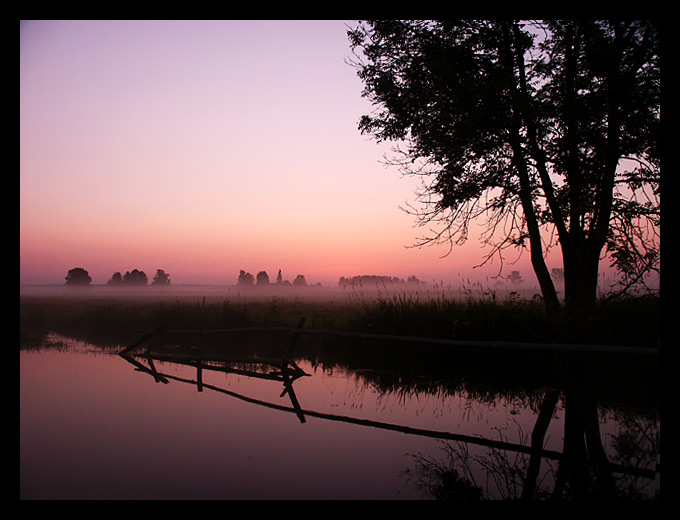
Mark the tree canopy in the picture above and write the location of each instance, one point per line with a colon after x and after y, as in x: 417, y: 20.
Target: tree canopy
x: 548, y: 130
x: 78, y: 276
x: 161, y: 278
x: 135, y: 277
x: 245, y: 279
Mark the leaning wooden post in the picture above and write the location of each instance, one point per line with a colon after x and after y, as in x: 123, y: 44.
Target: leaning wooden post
x: 199, y: 377
x: 300, y: 324
x: 288, y: 389
x: 199, y: 369
x: 152, y: 343
x: 135, y: 344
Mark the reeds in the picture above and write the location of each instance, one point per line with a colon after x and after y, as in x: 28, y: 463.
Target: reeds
x: 629, y: 322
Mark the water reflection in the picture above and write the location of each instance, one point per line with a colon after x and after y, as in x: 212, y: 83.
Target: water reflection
x: 581, y: 470
x: 282, y: 370
x: 475, y: 465
x: 280, y: 417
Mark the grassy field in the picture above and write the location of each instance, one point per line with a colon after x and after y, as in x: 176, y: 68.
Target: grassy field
x: 106, y: 316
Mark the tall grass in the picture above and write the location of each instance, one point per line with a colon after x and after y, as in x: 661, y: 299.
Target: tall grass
x: 628, y: 322
x: 632, y: 322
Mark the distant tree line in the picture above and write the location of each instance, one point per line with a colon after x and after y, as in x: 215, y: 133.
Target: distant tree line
x: 137, y: 278
x: 246, y: 279
x: 134, y: 278
x: 369, y: 280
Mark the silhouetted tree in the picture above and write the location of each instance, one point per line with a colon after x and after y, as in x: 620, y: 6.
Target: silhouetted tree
x: 546, y: 129
x: 161, y: 278
x: 373, y: 280
x: 78, y: 276
x: 245, y: 279
x: 300, y: 280
x: 135, y: 277
x: 515, y: 278
x: 116, y: 279
x: 279, y: 278
x: 262, y: 278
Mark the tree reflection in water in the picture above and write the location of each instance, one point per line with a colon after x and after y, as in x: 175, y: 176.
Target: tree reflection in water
x: 587, y: 389
x: 475, y: 468
x: 581, y: 471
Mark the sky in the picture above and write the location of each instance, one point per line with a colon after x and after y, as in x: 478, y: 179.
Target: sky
x: 207, y: 147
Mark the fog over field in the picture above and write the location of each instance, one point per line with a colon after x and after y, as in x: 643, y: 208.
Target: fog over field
x: 211, y: 293
x: 466, y: 289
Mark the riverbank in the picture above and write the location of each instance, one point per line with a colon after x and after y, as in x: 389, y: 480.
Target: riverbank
x: 113, y: 317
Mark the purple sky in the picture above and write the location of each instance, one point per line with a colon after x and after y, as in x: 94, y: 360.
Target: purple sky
x: 206, y: 147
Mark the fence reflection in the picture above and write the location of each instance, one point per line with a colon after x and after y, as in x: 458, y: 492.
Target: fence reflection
x: 583, y: 469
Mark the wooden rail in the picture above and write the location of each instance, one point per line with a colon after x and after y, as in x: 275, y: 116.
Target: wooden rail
x: 458, y: 437
x: 288, y: 376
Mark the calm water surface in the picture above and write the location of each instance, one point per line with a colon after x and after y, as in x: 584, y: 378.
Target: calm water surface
x: 95, y: 425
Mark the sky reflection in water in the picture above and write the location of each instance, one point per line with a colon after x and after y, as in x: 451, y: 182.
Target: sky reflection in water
x: 93, y: 427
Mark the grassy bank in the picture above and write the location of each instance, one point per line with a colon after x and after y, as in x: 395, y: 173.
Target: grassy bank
x: 403, y: 366
x: 115, y: 319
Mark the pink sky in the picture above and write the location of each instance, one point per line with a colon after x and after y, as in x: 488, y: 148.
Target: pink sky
x: 203, y: 148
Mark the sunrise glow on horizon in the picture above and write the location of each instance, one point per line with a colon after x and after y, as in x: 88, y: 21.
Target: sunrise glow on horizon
x: 206, y: 147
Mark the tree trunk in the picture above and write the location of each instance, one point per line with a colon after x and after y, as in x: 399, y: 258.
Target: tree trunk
x: 545, y: 416
x: 518, y: 93
x: 550, y: 299
x: 552, y: 303
x: 581, y: 265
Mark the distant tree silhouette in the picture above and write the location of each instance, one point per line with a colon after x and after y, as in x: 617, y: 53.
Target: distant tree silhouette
x: 515, y: 278
x: 279, y: 278
x: 78, y: 276
x: 370, y: 280
x: 300, y: 280
x: 262, y: 278
x: 245, y: 279
x: 546, y: 129
x: 116, y: 279
x: 135, y: 278
x: 161, y: 278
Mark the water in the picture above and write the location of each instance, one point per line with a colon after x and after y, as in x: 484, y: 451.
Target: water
x: 96, y: 425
